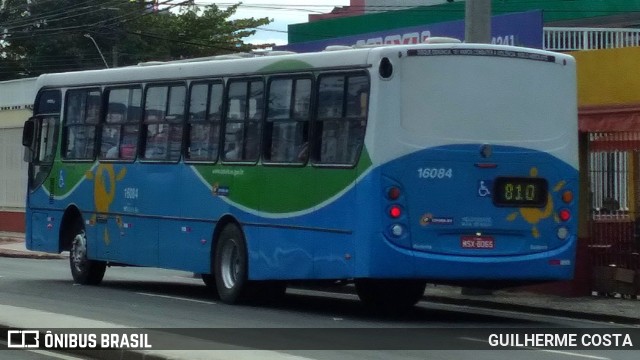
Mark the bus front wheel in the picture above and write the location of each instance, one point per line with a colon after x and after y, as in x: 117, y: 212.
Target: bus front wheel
x: 390, y: 294
x: 84, y: 270
x: 231, y: 264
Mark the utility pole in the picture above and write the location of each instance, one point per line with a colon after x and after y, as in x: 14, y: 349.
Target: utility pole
x: 477, y: 29
x: 477, y: 21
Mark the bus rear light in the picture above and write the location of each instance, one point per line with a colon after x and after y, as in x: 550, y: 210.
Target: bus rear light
x: 397, y: 230
x: 564, y: 215
x: 486, y: 165
x: 393, y: 193
x: 562, y: 233
x: 567, y: 196
x: 395, y: 211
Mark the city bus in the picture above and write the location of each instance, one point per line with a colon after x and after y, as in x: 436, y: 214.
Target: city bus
x: 385, y: 167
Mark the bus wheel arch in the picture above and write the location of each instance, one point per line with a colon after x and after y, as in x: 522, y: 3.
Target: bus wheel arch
x: 68, y: 225
x: 73, y: 238
x: 209, y: 279
x: 230, y: 268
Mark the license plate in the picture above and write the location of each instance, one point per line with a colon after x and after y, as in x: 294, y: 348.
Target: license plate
x: 477, y: 242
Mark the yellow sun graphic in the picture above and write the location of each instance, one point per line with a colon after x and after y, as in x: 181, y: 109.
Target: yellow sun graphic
x: 533, y: 215
x: 103, y: 197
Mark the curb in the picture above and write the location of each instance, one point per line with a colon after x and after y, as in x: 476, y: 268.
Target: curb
x: 16, y: 254
x: 24, y: 254
x: 534, y: 309
x: 498, y: 305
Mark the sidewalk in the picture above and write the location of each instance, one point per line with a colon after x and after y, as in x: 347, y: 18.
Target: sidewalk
x: 598, y: 308
x: 12, y: 245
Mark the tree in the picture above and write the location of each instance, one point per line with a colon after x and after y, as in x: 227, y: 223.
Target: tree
x: 43, y: 36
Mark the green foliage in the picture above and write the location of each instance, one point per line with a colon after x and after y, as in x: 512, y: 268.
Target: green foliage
x: 56, y: 35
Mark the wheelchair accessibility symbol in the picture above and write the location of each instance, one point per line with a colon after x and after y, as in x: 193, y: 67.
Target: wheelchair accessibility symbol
x: 484, y: 187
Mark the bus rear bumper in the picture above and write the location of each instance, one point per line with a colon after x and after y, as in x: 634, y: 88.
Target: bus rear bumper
x: 551, y: 265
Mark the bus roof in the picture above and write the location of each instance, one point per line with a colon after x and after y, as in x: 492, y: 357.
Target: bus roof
x: 233, y: 65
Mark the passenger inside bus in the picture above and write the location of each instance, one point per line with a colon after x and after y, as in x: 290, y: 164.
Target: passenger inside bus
x: 234, y: 146
x: 111, y: 133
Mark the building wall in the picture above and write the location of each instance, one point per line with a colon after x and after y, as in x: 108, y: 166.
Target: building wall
x: 355, y: 8
x: 555, y: 12
x: 375, y: 6
x: 608, y: 77
x: 609, y: 116
x: 16, y: 97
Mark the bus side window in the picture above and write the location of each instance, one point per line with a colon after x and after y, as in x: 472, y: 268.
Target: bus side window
x: 205, y: 116
x: 119, y: 138
x: 342, y: 118
x: 286, y: 132
x: 163, y: 122
x: 111, y: 130
x: 175, y: 116
x: 357, y: 105
x: 242, y: 130
x: 82, y: 112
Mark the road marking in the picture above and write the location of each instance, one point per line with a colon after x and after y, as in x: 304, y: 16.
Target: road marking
x: 46, y: 353
x: 177, y: 298
x: 544, y: 350
x: 574, y: 354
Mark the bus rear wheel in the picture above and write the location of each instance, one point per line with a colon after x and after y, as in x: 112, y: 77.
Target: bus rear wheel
x: 84, y: 270
x: 390, y: 295
x: 231, y: 265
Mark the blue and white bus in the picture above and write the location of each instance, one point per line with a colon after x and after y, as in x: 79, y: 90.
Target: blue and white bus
x: 388, y: 166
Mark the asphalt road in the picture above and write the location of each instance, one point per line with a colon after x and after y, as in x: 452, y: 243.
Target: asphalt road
x: 153, y: 298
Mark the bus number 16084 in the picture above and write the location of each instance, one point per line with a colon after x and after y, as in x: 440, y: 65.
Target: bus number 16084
x: 435, y: 173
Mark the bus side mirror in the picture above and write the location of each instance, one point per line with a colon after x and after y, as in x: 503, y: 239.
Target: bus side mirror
x: 28, y: 132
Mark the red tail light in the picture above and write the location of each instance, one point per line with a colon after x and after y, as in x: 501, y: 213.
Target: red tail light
x: 395, y: 211
x: 394, y: 193
x: 564, y: 215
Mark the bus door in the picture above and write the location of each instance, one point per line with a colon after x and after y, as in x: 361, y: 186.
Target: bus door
x: 40, y: 137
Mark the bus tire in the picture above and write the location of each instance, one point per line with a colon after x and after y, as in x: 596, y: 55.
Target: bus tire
x: 231, y: 265
x: 390, y: 295
x: 84, y: 270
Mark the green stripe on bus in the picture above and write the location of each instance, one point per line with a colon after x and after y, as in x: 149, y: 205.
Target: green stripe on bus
x: 279, y: 189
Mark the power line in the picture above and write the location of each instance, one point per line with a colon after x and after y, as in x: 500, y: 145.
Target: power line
x: 49, y: 31
x: 53, y: 15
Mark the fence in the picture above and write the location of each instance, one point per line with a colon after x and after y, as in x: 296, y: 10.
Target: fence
x: 614, y: 222
x: 579, y: 38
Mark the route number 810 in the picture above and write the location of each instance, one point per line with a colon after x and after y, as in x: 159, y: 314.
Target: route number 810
x: 435, y: 173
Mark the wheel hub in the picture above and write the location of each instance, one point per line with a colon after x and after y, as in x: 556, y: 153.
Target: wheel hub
x: 79, y: 252
x: 230, y: 264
